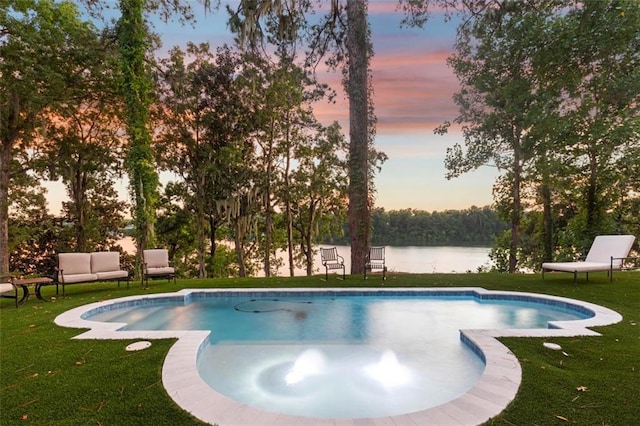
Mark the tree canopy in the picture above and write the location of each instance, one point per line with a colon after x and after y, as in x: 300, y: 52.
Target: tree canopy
x: 546, y: 97
x: 549, y: 94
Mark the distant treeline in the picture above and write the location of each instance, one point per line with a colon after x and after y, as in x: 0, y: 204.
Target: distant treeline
x: 476, y: 226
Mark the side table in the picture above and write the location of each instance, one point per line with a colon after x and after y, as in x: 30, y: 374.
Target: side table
x: 37, y: 282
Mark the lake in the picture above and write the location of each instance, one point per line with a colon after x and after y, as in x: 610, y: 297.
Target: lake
x: 412, y: 259
x: 424, y: 259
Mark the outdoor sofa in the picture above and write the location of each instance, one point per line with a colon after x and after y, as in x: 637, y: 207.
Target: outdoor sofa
x: 76, y: 268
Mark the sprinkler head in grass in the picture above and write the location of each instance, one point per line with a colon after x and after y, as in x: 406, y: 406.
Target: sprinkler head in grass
x: 138, y: 346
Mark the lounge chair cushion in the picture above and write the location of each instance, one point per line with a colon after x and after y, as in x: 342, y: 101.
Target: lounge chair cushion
x: 577, y: 266
x: 605, y: 247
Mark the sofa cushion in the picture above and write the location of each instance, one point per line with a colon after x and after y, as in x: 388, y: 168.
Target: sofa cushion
x: 105, y: 261
x: 76, y: 278
x: 74, y: 263
x: 156, y: 258
x: 112, y: 275
x: 168, y: 270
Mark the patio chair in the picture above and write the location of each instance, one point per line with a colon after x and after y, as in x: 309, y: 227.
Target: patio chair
x: 156, y: 265
x: 375, y: 260
x: 332, y: 260
x: 608, y: 252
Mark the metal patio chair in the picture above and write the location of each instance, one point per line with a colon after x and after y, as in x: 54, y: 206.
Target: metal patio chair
x: 332, y: 260
x: 375, y: 260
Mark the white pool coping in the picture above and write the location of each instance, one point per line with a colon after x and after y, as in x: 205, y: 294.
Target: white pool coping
x: 491, y: 394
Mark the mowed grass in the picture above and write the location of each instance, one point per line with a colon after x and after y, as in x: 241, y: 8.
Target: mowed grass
x: 49, y: 379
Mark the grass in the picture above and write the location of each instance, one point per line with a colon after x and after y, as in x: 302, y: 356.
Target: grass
x: 48, y: 379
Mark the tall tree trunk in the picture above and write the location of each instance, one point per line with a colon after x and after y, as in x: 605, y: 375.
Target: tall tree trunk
x: 287, y: 207
x: 78, y: 195
x: 213, y: 229
x: 358, y: 94
x: 202, y: 237
x: 5, y: 162
x: 268, y: 213
x: 201, y: 226
x: 15, y: 124
x: 547, y: 225
x: 268, y: 219
x: 516, y: 212
x: 308, y: 239
x: 593, y: 216
x: 143, y: 178
x: 242, y: 270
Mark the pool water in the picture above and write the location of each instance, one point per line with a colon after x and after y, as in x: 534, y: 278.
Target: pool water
x: 339, y: 357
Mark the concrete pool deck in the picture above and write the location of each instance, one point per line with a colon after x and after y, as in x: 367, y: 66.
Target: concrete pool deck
x: 490, y: 395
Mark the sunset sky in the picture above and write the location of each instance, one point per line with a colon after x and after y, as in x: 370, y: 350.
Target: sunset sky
x: 413, y: 94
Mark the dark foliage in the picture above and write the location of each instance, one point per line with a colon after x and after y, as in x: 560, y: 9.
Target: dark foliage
x: 470, y: 227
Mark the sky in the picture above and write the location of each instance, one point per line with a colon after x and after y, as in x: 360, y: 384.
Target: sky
x: 413, y: 90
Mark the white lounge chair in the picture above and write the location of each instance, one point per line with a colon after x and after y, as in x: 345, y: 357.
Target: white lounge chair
x: 607, y: 253
x: 156, y: 265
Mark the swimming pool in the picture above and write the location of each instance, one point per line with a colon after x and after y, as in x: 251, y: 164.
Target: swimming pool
x: 272, y: 362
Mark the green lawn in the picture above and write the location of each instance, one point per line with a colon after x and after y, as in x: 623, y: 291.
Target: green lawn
x: 47, y: 378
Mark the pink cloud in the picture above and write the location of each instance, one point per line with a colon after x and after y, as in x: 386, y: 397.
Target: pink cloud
x: 412, y: 92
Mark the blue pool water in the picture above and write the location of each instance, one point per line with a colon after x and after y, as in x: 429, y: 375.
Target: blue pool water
x: 339, y: 357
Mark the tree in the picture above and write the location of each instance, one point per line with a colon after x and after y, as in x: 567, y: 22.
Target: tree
x: 501, y: 101
x: 547, y: 84
x: 35, y: 235
x: 343, y: 36
x: 205, y: 132
x: 85, y: 147
x: 601, y: 104
x: 134, y: 42
x: 358, y: 90
x: 284, y: 125
x: 317, y: 193
x: 41, y: 46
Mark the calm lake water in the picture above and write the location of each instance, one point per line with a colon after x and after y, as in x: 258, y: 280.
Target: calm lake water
x: 413, y: 259
x: 420, y: 259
